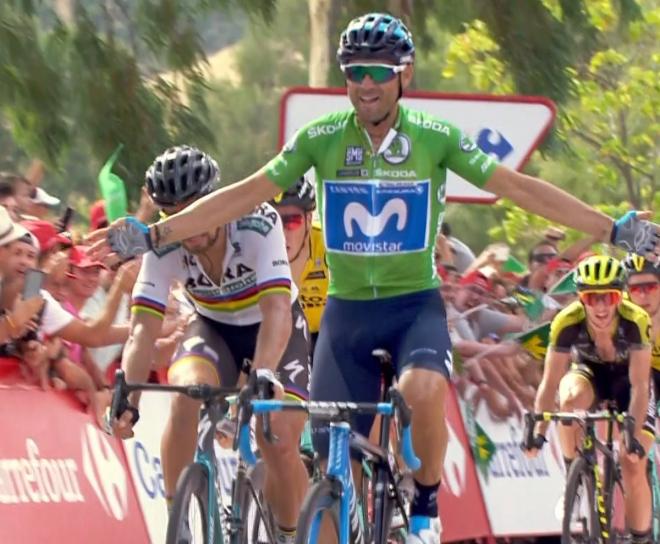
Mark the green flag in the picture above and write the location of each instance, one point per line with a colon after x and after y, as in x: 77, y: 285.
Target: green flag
x: 535, y: 341
x: 565, y: 285
x: 113, y: 189
x: 483, y: 449
x: 531, y: 302
x: 458, y: 366
x: 513, y: 265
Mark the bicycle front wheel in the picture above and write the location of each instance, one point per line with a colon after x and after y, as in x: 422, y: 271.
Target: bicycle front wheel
x: 188, y: 523
x: 580, y: 524
x: 322, y: 498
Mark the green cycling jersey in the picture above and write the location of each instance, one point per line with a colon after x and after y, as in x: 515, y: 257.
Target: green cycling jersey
x: 381, y: 209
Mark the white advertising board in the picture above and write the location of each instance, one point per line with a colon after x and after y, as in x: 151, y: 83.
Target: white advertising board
x: 507, y: 127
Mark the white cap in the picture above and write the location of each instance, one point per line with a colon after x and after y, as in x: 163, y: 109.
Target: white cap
x: 9, y: 231
x: 42, y: 197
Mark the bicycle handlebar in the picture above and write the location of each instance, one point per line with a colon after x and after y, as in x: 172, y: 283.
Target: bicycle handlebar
x: 121, y: 390
x: 333, y: 411
x: 625, y: 422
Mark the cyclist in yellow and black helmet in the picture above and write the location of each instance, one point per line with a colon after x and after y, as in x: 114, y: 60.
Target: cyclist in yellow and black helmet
x: 643, y: 284
x: 600, y: 351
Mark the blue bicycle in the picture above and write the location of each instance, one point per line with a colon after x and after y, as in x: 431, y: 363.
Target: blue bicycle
x: 335, y: 492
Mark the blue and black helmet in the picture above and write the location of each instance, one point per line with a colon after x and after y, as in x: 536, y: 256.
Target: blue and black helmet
x: 377, y: 37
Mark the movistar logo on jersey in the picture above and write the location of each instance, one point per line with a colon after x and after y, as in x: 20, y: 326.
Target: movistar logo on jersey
x: 375, y: 218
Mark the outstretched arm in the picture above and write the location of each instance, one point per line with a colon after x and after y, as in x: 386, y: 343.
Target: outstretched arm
x: 218, y: 208
x: 542, y: 198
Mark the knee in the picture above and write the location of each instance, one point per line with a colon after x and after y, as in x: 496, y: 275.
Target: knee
x: 633, y: 471
x: 288, y: 431
x: 421, y: 386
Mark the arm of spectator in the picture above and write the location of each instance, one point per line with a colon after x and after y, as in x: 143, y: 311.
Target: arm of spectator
x: 443, y: 250
x: 122, y: 284
x: 470, y: 348
x: 491, y: 321
x: 556, y: 365
x: 34, y: 356
x: 16, y: 323
x: 94, y: 371
x: 573, y: 252
x: 93, y: 335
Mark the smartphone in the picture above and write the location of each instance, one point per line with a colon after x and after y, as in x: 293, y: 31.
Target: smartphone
x: 64, y: 222
x: 34, y: 279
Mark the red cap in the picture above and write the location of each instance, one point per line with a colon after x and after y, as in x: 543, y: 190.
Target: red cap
x: 442, y: 272
x: 46, y: 234
x: 476, y: 278
x: 79, y: 257
x: 97, y: 215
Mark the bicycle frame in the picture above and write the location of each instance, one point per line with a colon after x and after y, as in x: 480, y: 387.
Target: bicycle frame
x: 339, y: 462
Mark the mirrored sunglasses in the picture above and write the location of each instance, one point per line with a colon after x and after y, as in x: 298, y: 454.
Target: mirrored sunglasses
x: 293, y: 221
x: 646, y: 288
x: 592, y: 298
x: 379, y: 73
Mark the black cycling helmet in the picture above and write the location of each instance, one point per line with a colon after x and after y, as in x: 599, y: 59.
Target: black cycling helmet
x: 301, y: 194
x: 376, y: 37
x: 179, y: 174
x: 636, y: 264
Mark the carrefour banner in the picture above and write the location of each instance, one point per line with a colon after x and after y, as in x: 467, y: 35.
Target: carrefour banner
x: 61, y: 478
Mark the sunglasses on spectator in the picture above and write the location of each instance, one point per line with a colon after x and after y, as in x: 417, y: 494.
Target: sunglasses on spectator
x: 646, y: 288
x: 543, y: 257
x: 292, y: 221
x: 379, y: 73
x: 592, y: 298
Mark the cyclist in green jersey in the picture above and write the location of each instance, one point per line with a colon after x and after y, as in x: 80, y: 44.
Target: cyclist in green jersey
x: 381, y: 169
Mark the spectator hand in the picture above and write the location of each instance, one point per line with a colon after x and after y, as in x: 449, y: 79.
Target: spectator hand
x: 127, y: 275
x: 33, y: 353
x: 23, y: 314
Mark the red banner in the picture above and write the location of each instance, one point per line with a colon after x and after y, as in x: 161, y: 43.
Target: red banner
x: 462, y: 508
x: 61, y: 478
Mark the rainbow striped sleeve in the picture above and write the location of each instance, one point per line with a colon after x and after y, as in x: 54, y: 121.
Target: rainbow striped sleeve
x: 241, y: 300
x: 147, y: 306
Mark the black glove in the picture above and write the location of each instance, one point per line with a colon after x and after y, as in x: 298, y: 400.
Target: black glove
x: 536, y: 443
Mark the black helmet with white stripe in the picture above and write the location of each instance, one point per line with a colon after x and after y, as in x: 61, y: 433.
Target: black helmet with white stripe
x: 180, y: 174
x: 301, y: 195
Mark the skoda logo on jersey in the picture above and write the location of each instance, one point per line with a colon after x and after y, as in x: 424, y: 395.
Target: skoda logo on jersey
x: 398, y: 150
x: 376, y: 218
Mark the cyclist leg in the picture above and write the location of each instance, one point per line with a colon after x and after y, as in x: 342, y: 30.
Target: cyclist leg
x: 578, y: 390
x: 344, y: 370
x: 286, y: 475
x: 202, y: 357
x: 424, y: 363
x: 638, y: 496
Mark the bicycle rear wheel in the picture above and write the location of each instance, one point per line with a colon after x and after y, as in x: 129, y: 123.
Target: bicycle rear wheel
x: 323, y: 497
x: 580, y: 524
x: 188, y: 522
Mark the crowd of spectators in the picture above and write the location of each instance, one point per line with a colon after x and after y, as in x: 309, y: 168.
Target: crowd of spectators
x: 69, y: 335
x: 492, y: 300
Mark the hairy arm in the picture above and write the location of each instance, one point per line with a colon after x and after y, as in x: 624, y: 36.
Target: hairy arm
x: 639, y: 371
x: 556, y: 365
x: 217, y: 208
x: 274, y: 331
x: 544, y: 199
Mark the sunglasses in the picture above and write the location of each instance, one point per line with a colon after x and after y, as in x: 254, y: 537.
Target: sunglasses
x: 293, y: 221
x: 592, y: 298
x: 379, y: 73
x: 543, y: 257
x: 646, y: 288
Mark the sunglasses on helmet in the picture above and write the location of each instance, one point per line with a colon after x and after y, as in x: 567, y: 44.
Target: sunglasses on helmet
x: 379, y: 73
x: 609, y: 297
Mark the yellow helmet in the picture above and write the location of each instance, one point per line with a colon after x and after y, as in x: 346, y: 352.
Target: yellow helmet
x: 599, y: 272
x: 636, y: 264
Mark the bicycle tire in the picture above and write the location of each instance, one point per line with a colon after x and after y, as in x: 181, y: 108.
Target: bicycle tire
x: 322, y: 496
x: 193, y: 483
x: 580, y: 484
